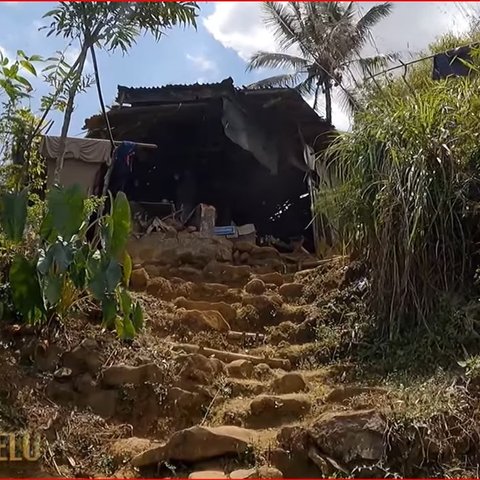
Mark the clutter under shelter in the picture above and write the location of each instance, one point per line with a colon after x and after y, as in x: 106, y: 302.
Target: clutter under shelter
x: 238, y: 150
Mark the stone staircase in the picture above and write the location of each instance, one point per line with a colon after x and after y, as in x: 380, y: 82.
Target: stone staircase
x: 233, y: 405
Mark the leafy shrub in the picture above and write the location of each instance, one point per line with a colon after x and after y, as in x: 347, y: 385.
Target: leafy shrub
x: 406, y: 192
x: 64, y: 266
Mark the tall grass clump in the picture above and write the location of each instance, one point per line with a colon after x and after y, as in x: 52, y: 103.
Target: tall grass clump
x: 406, y: 191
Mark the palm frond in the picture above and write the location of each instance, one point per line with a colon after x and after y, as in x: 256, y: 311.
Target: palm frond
x: 373, y: 16
x: 285, y: 80
x: 276, y: 60
x: 283, y: 22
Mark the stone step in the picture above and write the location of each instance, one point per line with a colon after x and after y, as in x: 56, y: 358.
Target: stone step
x: 229, y: 356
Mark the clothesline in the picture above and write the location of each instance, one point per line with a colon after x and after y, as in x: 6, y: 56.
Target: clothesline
x: 417, y: 60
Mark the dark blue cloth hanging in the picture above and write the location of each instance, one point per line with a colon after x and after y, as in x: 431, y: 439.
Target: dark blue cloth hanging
x: 451, y: 63
x: 122, y: 167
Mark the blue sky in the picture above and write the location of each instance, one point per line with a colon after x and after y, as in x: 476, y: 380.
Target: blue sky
x: 228, y: 33
x: 182, y: 56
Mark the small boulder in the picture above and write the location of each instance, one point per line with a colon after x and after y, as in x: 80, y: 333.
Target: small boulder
x: 227, y: 311
x: 84, y: 383
x: 161, y: 288
x: 244, y: 473
x: 240, y: 368
x: 274, y: 409
x: 262, y: 371
x: 139, y: 279
x: 291, y: 291
x: 124, y: 449
x: 267, y: 304
x: 83, y: 358
x: 255, y: 286
x: 117, y: 375
x: 198, y: 443
x: 356, y: 435
x: 199, y: 321
x: 274, y: 277
x: 268, y: 472
x: 188, y: 403
x: 198, y: 369
x: 208, y: 474
x: 289, y: 383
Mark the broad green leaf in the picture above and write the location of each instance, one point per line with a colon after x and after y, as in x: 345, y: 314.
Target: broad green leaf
x: 119, y: 326
x: 52, y: 288
x: 59, y: 256
x: 121, y: 223
x: 105, y: 275
x: 26, y: 293
x: 137, y: 317
x: 127, y: 268
x: 128, y: 329
x: 109, y: 310
x: 66, y: 205
x: 78, y: 268
x: 28, y: 67
x: 47, y: 232
x: 125, y: 302
x: 14, y: 214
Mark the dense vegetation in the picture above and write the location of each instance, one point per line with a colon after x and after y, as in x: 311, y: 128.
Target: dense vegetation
x: 406, y: 193
x: 47, y: 267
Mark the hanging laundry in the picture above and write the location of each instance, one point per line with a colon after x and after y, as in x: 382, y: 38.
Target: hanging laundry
x: 122, y: 167
x: 452, y: 63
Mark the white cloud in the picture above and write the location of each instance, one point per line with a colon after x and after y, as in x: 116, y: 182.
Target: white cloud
x: 409, y: 29
x: 202, y: 63
x: 239, y: 26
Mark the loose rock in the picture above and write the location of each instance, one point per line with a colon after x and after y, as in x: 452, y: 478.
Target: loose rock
x: 226, y: 310
x: 197, y: 320
x: 291, y: 291
x: 139, y: 279
x: 208, y: 474
x: 240, y: 368
x: 289, y: 383
x: 124, y: 449
x: 273, y: 409
x: 255, y: 286
x: 117, y: 375
x: 198, y: 443
x: 350, y: 436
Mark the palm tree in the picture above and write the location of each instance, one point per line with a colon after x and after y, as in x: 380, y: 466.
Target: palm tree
x: 110, y: 26
x: 320, y: 43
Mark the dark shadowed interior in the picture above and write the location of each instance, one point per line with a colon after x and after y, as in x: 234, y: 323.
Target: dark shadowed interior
x: 196, y: 162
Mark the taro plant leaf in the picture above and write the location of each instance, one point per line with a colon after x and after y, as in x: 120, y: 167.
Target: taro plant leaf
x: 14, y: 214
x: 47, y: 232
x: 121, y: 224
x: 78, y: 268
x: 26, y: 292
x: 105, y: 276
x: 59, y: 256
x: 128, y: 329
x: 137, y: 317
x: 119, y: 326
x: 53, y: 288
x: 127, y: 268
x: 125, y: 302
x: 66, y: 205
x: 109, y: 311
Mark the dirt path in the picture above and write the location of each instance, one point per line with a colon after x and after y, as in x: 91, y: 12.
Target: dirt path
x: 230, y: 379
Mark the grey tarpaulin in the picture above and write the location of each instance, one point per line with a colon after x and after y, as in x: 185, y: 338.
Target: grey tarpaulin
x: 82, y: 149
